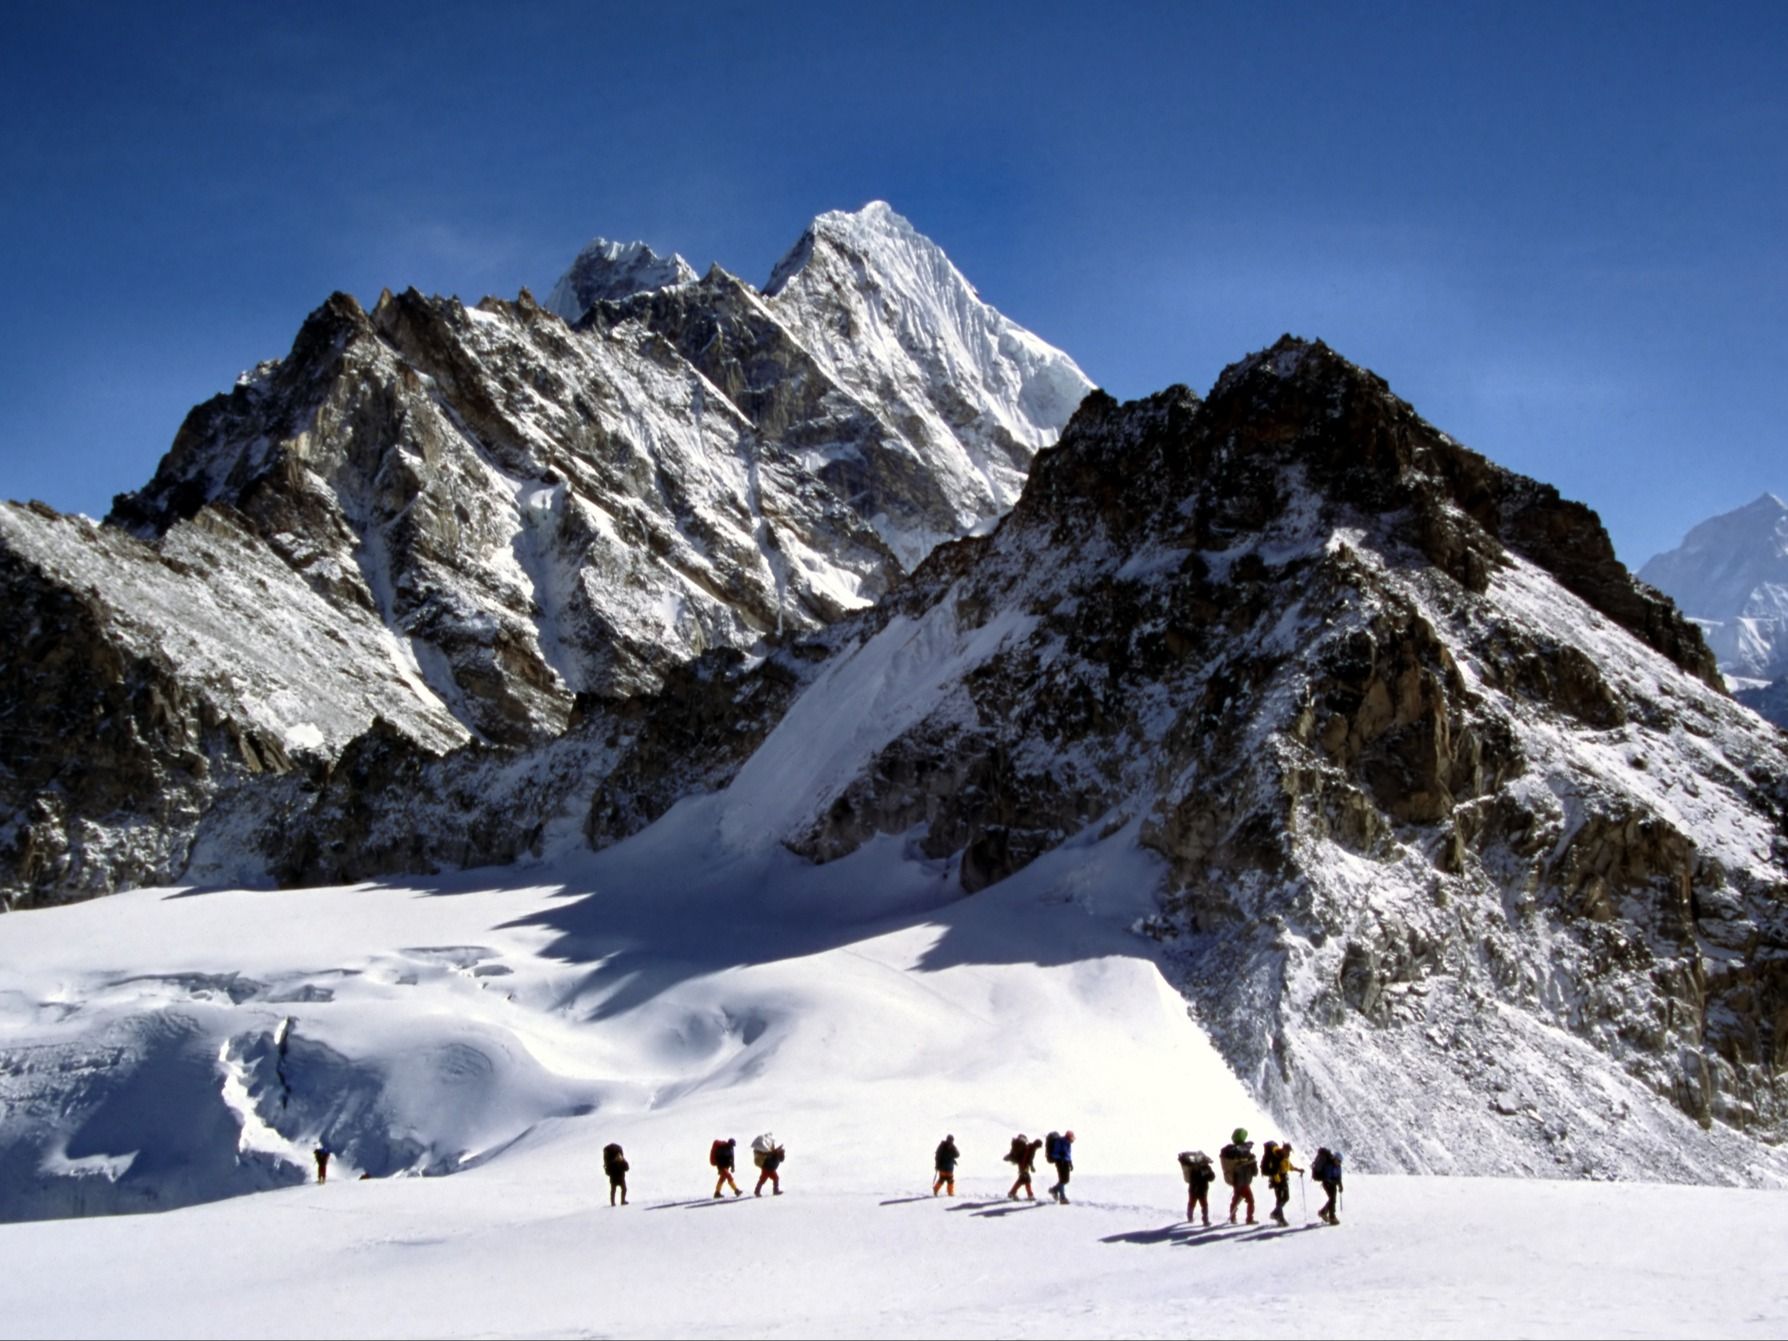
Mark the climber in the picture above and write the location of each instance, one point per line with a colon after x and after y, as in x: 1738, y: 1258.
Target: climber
x: 720, y: 1155
x: 945, y: 1163
x: 1326, y: 1169
x: 1279, y: 1179
x: 1059, y: 1151
x: 1023, y: 1154
x: 1239, y: 1167
x: 614, y: 1164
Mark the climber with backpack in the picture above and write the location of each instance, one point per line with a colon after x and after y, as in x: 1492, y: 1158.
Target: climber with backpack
x: 1023, y: 1154
x: 1058, y: 1149
x: 720, y: 1155
x: 614, y: 1164
x: 1326, y: 1169
x: 767, y: 1153
x: 945, y: 1163
x: 1269, y: 1165
x: 1239, y: 1169
x: 1195, y: 1166
x: 1276, y: 1165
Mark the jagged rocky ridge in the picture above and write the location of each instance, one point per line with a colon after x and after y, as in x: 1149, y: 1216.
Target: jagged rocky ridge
x: 433, y: 526
x: 1466, y: 859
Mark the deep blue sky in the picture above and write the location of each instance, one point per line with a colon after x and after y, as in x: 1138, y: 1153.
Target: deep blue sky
x: 1558, y: 230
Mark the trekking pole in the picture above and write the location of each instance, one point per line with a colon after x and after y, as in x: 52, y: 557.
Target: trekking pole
x: 1303, y: 1197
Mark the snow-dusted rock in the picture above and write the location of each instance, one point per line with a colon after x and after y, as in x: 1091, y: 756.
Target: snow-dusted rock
x: 605, y: 270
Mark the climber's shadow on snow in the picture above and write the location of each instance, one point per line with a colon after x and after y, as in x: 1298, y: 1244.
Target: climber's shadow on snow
x: 990, y: 1209
x: 1178, y: 1232
x: 1266, y: 1232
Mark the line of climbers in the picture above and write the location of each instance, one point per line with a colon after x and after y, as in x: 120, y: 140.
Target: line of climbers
x: 766, y: 1152
x: 1237, y: 1160
x: 1240, y: 1169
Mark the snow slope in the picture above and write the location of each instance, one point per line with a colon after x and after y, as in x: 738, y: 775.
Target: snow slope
x: 528, y: 1248
x: 667, y: 995
x: 677, y: 986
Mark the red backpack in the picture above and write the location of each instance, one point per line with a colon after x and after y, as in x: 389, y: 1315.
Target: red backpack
x: 716, y: 1153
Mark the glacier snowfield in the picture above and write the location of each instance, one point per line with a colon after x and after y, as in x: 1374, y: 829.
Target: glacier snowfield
x: 181, y: 1051
x: 524, y: 1249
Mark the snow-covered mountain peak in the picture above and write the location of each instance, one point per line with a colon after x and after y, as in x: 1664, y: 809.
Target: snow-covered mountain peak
x: 1761, y: 523
x: 874, y: 234
x: 893, y: 322
x: 606, y: 271
x: 1716, y: 571
x: 1730, y: 574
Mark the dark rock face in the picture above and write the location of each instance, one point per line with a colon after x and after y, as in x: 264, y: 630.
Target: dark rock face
x: 147, y: 745
x: 1445, y: 804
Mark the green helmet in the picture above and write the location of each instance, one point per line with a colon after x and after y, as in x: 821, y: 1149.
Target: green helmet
x: 1241, y: 1134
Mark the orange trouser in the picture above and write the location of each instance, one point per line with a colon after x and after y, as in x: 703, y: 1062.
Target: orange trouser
x: 1244, y: 1195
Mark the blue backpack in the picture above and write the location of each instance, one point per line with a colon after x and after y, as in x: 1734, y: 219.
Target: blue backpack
x: 1055, y: 1148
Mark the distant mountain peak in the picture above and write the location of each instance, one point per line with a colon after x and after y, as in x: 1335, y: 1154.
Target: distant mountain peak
x: 1730, y: 574
x: 606, y: 270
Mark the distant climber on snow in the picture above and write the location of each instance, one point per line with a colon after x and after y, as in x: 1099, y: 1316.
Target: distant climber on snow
x: 767, y: 1153
x: 1239, y: 1168
x: 1326, y: 1169
x: 322, y: 1153
x: 1023, y: 1154
x: 945, y: 1163
x: 1058, y: 1149
x: 720, y: 1155
x: 1195, y: 1167
x: 614, y: 1164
